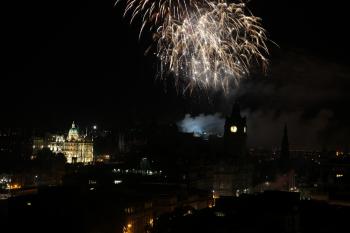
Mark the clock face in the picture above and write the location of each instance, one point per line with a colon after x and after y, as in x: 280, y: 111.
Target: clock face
x: 233, y: 129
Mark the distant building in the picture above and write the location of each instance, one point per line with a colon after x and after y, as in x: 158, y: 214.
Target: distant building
x: 285, y: 155
x: 76, y: 147
x: 14, y: 143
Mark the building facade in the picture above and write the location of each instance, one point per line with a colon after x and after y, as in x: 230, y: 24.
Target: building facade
x: 77, y: 148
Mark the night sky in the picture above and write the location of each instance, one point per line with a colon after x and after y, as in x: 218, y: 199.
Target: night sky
x: 80, y: 60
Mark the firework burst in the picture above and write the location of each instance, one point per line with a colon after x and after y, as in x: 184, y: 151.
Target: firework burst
x: 154, y: 12
x: 203, y: 44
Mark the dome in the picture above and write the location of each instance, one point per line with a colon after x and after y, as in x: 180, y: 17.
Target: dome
x: 73, y: 133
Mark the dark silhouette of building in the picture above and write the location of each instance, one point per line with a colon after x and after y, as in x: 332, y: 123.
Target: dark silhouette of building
x: 233, y: 171
x: 285, y: 155
x: 235, y: 133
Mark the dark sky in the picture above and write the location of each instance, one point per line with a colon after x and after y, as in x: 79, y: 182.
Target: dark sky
x: 80, y: 60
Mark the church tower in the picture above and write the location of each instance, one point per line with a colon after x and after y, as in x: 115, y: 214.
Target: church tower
x: 234, y: 171
x: 284, y: 155
x: 235, y: 133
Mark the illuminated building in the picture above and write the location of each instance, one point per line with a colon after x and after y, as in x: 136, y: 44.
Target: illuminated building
x: 77, y: 148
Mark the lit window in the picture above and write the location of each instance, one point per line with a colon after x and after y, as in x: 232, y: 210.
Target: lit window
x: 92, y: 182
x: 233, y: 129
x: 245, y: 129
x: 117, y: 181
x: 129, y: 210
x: 219, y: 214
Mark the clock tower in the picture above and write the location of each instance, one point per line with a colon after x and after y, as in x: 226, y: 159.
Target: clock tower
x: 235, y: 133
x: 234, y: 171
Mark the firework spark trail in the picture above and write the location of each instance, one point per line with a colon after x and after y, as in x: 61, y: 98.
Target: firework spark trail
x: 213, y: 47
x: 205, y: 44
x: 153, y: 11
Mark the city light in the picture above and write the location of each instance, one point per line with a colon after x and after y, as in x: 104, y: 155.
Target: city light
x: 163, y: 93
x: 219, y: 214
x: 13, y: 186
x: 293, y: 189
x: 118, y: 181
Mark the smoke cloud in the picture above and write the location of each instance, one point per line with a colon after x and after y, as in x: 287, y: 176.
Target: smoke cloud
x: 203, y: 124
x: 265, y: 128
x: 310, y: 94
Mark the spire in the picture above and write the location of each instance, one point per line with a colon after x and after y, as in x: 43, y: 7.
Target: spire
x: 73, y: 125
x: 285, y: 144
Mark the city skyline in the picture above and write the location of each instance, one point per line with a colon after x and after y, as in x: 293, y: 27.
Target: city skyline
x: 101, y: 133
x: 85, y: 63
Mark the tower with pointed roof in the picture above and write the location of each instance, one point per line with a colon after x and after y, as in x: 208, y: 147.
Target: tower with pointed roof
x: 285, y: 155
x: 233, y: 171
